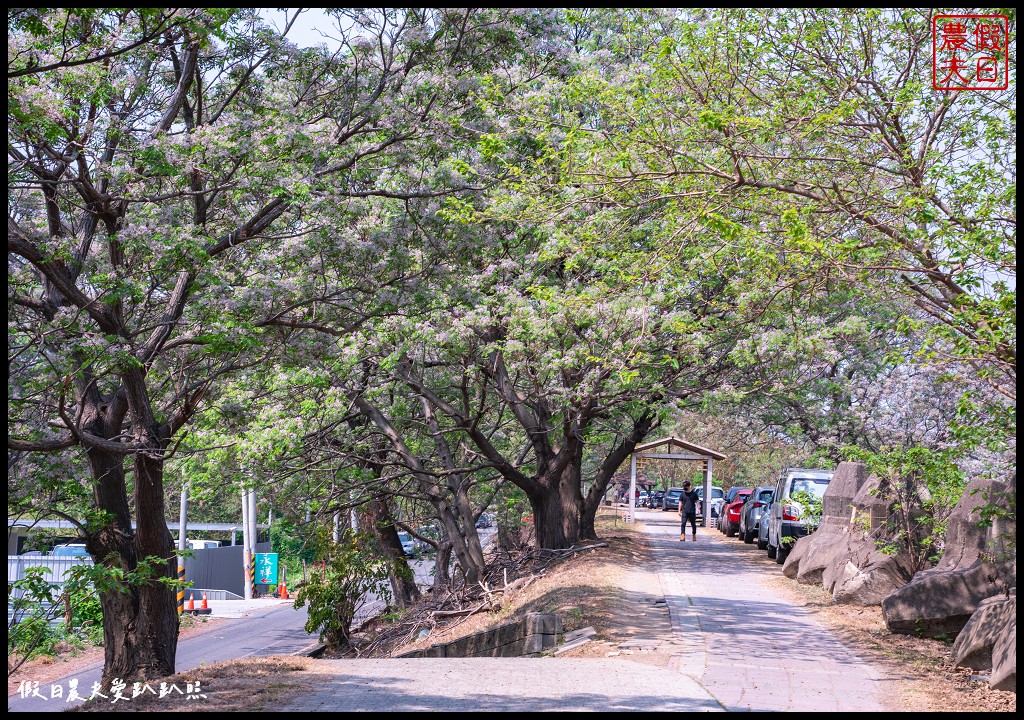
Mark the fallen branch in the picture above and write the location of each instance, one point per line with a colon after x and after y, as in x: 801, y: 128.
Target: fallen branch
x: 456, y: 613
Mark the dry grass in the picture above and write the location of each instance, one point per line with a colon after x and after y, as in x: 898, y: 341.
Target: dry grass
x: 234, y: 686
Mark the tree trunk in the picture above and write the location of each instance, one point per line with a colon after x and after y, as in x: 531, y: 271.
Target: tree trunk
x: 442, y: 568
x: 140, y: 621
x: 641, y: 428
x: 403, y: 587
x: 556, y: 508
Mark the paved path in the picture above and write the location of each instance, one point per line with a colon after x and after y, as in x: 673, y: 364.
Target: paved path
x: 749, y: 647
x: 502, y: 684
x: 737, y: 646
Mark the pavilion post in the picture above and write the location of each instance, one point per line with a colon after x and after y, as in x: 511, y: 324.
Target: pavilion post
x: 632, y: 488
x: 707, y: 495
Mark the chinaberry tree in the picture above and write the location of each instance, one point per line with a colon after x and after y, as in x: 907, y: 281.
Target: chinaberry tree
x: 166, y: 169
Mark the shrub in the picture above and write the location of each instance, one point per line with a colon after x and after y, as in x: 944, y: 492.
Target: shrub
x: 334, y: 591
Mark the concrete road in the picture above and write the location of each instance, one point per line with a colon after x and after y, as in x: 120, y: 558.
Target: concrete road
x: 253, y: 628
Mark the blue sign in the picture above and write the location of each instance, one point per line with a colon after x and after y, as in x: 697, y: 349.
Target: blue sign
x: 266, y: 568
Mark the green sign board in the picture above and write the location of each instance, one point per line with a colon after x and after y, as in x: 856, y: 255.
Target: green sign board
x: 266, y: 568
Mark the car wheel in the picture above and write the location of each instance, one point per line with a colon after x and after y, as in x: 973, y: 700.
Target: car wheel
x: 761, y: 544
x: 748, y: 537
x: 781, y: 554
x: 730, y: 531
x: 772, y: 551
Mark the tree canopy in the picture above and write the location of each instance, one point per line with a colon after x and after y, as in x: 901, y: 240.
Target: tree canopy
x: 472, y: 257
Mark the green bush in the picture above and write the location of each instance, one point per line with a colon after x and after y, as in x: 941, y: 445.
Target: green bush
x: 336, y: 586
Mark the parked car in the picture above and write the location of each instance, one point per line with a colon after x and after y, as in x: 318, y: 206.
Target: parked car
x: 750, y: 513
x: 730, y: 495
x: 433, y: 533
x: 717, y: 498
x: 731, y: 512
x: 671, y: 501
x: 70, y: 550
x: 485, y: 520
x: 657, y: 499
x: 641, y: 500
x: 762, y: 527
x: 409, y: 545
x: 785, y: 525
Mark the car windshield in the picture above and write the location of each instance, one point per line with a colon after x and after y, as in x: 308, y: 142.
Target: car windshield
x: 70, y: 550
x: 813, y: 486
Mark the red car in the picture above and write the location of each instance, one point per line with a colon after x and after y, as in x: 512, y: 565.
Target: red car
x: 731, y: 512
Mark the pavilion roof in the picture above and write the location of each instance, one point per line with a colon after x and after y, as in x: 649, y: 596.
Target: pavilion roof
x: 674, y: 444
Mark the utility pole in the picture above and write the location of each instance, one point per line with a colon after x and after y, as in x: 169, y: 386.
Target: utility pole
x: 182, y: 526
x: 253, y: 538
x: 246, y: 559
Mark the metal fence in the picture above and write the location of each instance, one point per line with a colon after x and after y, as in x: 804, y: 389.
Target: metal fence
x: 219, y: 568
x: 58, y: 567
x: 211, y: 569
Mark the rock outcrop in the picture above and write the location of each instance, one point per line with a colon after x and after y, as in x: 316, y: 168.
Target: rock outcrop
x: 989, y: 641
x: 842, y: 553
x: 979, y: 562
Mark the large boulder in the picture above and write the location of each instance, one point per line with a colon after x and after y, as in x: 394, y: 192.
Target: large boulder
x: 842, y: 554
x: 791, y: 566
x: 827, y: 545
x: 871, y: 581
x: 862, y: 574
x: 989, y: 641
x: 1004, y: 657
x: 979, y: 562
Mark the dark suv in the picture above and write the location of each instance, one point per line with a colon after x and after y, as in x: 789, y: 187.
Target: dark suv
x: 671, y: 500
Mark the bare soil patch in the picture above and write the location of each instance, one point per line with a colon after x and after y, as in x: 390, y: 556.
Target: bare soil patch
x: 255, y: 685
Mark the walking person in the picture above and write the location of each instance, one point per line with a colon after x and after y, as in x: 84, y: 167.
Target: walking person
x: 688, y: 506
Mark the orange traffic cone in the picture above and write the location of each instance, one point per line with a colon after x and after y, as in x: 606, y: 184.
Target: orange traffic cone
x: 191, y: 602
x: 204, y: 606
x: 284, y: 591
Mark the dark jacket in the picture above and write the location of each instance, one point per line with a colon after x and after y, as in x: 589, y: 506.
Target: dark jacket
x: 688, y: 502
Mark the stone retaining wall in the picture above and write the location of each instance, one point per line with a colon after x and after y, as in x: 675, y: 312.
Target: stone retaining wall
x: 532, y: 635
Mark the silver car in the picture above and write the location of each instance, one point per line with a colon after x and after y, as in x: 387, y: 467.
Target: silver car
x: 784, y: 521
x: 750, y: 513
x: 408, y: 544
x: 762, y: 527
